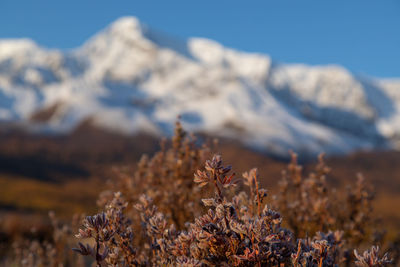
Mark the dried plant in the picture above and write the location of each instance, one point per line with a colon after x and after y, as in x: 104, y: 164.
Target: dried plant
x: 53, y: 252
x: 370, y: 258
x: 166, y: 178
x: 310, y: 205
x: 172, y: 211
x: 236, y: 232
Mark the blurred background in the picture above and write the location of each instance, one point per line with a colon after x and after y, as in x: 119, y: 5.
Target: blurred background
x: 89, y: 86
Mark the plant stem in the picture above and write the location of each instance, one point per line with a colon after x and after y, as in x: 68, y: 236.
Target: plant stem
x: 219, y: 192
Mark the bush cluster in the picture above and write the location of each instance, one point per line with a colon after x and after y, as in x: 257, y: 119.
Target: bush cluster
x: 185, y: 207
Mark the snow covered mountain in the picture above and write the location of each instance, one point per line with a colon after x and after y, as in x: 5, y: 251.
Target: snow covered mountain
x: 131, y: 78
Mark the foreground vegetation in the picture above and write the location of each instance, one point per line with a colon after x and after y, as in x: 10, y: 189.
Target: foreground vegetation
x: 185, y: 207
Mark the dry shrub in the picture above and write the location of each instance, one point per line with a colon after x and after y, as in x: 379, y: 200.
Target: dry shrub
x: 167, y: 178
x: 310, y: 205
x: 55, y: 251
x: 174, y: 212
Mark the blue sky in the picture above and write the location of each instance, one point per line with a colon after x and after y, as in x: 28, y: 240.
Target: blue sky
x: 362, y: 35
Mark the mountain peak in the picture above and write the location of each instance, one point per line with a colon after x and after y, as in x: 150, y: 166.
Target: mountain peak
x: 11, y: 47
x: 120, y: 37
x: 127, y: 26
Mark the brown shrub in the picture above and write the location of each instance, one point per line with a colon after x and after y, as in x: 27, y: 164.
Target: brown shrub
x: 310, y: 205
x: 162, y: 216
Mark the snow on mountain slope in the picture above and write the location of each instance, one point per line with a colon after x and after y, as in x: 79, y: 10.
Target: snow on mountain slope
x: 131, y: 78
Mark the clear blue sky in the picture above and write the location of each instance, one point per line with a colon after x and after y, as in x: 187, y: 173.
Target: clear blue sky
x: 362, y: 35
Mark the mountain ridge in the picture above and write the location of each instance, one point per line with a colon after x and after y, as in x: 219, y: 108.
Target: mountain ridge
x: 131, y: 78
